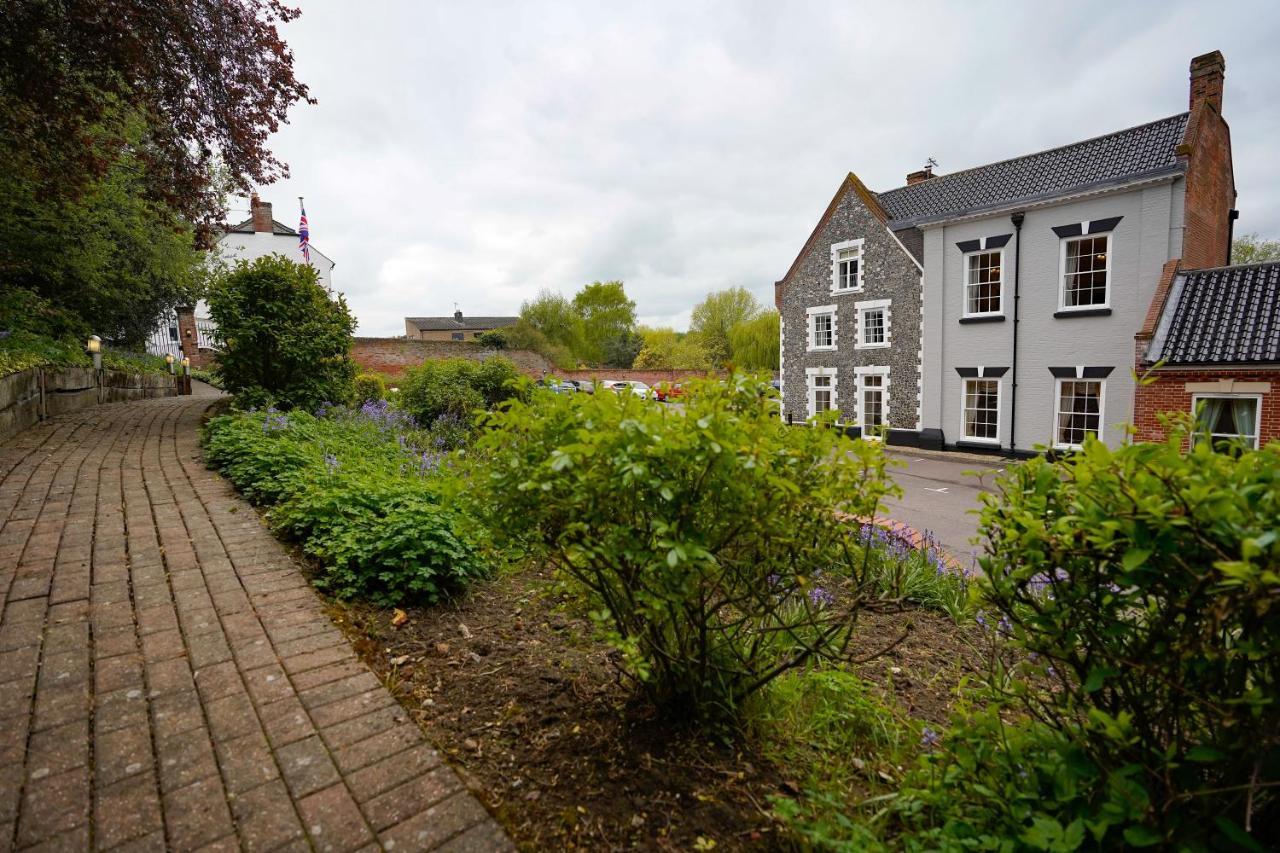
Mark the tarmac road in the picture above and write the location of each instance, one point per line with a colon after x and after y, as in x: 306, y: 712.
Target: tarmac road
x: 939, y: 494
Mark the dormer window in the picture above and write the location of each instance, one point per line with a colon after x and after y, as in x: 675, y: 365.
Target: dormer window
x: 846, y: 267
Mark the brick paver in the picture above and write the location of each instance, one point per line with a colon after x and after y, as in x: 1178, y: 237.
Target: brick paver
x: 169, y: 680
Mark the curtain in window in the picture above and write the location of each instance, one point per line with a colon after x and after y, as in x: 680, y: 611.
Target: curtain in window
x: 1208, y: 414
x: 1244, y: 416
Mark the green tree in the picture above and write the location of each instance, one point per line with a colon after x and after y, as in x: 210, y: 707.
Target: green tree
x: 667, y: 349
x: 717, y: 315
x: 608, y: 324
x: 756, y: 344
x: 555, y: 319
x: 1251, y: 249
x: 110, y: 255
x: 283, y: 338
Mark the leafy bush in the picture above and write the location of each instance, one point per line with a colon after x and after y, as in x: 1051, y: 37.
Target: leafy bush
x: 22, y: 350
x: 1141, y: 586
x: 209, y: 377
x: 284, y: 339
x: 359, y: 490
x: 457, y: 387
x: 707, y: 544
x: 370, y: 386
x: 494, y: 338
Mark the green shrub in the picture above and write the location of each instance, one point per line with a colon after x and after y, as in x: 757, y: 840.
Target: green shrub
x: 359, y: 491
x: 457, y: 387
x: 494, y: 338
x: 1145, y: 583
x: 21, y: 350
x: 370, y: 386
x: 283, y: 338
x: 706, y: 543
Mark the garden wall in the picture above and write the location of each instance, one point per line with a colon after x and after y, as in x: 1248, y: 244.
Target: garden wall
x: 391, y: 356
x: 30, y: 396
x: 648, y: 377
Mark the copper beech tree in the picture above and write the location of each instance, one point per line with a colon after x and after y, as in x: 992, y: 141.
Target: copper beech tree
x: 213, y: 79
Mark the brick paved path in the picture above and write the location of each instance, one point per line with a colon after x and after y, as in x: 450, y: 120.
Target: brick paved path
x: 168, y: 680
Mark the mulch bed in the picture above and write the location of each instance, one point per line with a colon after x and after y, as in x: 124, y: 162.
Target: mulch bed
x: 529, y: 709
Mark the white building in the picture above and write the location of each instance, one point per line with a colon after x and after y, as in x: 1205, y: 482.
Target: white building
x: 256, y: 237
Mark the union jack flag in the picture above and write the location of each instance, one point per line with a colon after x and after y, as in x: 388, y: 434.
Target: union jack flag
x: 304, y: 234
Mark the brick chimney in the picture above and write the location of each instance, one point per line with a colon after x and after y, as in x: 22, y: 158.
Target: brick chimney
x: 261, y: 214
x: 1207, y: 73
x: 919, y: 177
x: 457, y: 316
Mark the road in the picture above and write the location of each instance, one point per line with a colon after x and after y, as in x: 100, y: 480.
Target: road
x: 939, y: 494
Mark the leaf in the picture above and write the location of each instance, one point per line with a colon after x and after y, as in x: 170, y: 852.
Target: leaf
x: 399, y: 617
x: 1142, y: 836
x: 1135, y: 557
x: 1205, y: 754
x: 1232, y: 831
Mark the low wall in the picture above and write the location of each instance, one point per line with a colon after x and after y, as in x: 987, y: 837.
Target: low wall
x: 30, y: 396
x: 648, y: 377
x: 392, y: 356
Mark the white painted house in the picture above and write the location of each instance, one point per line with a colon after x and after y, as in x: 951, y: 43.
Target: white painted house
x: 180, y: 333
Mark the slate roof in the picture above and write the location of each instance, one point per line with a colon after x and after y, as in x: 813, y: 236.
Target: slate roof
x: 1147, y: 150
x: 452, y: 324
x: 1228, y: 315
x: 246, y: 227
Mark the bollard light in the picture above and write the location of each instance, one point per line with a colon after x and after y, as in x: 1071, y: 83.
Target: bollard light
x: 93, y: 346
x: 168, y: 359
x: 186, y: 364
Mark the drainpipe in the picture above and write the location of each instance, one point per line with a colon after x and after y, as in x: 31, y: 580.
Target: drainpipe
x: 1016, y: 219
x: 1231, y: 233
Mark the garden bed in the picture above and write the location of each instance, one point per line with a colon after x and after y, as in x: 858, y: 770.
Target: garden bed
x: 529, y: 708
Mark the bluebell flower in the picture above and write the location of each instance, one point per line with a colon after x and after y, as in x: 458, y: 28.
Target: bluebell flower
x: 819, y: 597
x: 928, y: 737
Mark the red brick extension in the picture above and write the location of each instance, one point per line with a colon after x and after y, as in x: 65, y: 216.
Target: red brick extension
x: 169, y: 680
x: 1169, y: 394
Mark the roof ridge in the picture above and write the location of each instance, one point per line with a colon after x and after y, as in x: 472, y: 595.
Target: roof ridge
x: 1043, y: 151
x: 1232, y: 267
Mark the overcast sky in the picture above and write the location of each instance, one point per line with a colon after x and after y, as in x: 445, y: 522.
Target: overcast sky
x: 479, y: 152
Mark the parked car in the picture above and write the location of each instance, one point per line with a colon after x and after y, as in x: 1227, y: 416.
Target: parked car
x: 620, y: 386
x: 584, y: 386
x: 668, y: 391
x: 565, y: 387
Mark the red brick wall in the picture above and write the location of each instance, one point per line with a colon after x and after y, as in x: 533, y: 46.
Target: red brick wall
x: 1210, y: 191
x: 648, y: 377
x: 1169, y: 394
x: 392, y: 356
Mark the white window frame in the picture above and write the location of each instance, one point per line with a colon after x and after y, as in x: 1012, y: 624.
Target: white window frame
x: 848, y: 245
x: 811, y: 389
x: 1257, y: 412
x: 1057, y: 411
x: 873, y: 305
x: 965, y: 285
x: 1062, y: 271
x: 964, y: 401
x: 813, y: 314
x: 860, y: 374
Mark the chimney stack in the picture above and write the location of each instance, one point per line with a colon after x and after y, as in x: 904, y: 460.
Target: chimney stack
x: 261, y: 211
x: 457, y: 315
x: 919, y: 177
x: 1207, y: 73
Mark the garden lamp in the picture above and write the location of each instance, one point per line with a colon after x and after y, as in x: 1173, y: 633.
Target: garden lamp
x: 93, y: 346
x: 168, y: 359
x: 186, y: 365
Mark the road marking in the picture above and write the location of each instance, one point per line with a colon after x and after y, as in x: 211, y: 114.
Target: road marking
x: 943, y: 489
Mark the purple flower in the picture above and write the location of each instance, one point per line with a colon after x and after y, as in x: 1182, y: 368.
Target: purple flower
x: 980, y: 618
x: 929, y: 737
x: 819, y: 597
x: 773, y: 579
